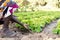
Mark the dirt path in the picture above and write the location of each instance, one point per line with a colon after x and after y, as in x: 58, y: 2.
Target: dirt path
x: 48, y: 29
x: 46, y: 34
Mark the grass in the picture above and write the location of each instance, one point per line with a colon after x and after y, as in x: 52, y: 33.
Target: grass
x: 37, y: 20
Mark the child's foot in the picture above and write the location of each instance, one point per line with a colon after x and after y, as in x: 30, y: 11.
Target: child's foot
x: 26, y: 26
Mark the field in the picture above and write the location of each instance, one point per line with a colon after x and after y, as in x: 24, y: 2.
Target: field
x: 37, y: 20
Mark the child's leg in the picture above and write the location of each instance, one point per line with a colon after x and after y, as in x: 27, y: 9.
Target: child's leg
x: 6, y: 24
x: 17, y: 21
x: 6, y: 29
x: 14, y: 19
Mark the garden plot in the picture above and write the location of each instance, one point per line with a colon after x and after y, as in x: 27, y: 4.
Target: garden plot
x: 37, y: 20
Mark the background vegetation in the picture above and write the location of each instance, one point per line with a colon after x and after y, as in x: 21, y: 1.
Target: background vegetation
x: 37, y: 20
x: 30, y: 13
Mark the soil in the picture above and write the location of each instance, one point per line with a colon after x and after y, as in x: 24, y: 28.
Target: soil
x: 46, y: 34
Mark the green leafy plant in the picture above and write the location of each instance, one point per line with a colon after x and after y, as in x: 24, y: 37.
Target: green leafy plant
x: 38, y: 19
x: 57, y: 29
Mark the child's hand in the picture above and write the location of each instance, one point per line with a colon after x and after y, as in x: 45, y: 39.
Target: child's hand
x: 1, y: 9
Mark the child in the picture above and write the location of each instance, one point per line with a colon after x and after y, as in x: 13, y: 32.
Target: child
x: 9, y: 7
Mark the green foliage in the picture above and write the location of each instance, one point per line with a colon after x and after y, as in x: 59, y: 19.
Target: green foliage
x: 37, y: 20
x: 57, y: 29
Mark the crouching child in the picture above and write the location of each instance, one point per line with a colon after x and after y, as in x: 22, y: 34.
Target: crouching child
x: 8, y: 7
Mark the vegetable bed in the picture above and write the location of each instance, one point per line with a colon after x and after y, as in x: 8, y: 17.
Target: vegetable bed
x: 37, y: 20
x: 57, y: 29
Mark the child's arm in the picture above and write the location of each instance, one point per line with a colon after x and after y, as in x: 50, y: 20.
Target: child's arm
x: 4, y: 5
x: 1, y: 10
x: 4, y: 12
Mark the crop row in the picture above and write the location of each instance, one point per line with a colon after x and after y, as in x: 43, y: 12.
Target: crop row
x: 57, y: 29
x: 37, y: 20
